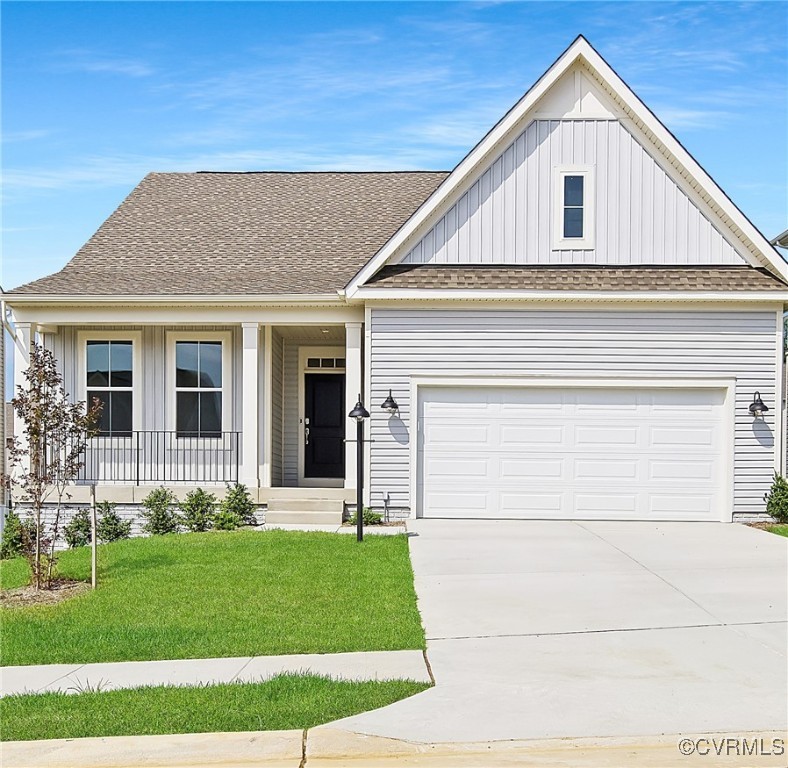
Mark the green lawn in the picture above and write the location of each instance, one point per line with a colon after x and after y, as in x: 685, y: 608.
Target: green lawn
x: 281, y: 703
x: 236, y: 593
x: 780, y: 530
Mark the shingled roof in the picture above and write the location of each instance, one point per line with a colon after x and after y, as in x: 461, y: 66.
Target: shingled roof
x: 241, y: 233
x: 577, y: 278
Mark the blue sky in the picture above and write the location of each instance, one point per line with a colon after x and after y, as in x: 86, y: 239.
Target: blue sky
x: 97, y: 94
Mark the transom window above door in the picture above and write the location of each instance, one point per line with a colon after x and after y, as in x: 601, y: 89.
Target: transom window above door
x: 198, y: 388
x: 109, y: 379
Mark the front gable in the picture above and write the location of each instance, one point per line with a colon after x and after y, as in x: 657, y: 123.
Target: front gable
x: 650, y: 203
x: 640, y: 214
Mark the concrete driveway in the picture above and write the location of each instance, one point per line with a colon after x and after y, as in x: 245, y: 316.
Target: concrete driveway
x: 560, y: 629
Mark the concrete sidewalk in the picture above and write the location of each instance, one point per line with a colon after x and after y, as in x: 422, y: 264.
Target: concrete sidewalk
x: 70, y: 678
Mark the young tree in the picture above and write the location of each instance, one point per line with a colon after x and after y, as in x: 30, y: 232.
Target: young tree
x: 50, y: 454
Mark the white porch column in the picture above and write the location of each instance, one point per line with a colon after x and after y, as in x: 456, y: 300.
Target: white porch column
x: 250, y: 399
x: 353, y: 386
x: 23, y: 343
x: 268, y: 407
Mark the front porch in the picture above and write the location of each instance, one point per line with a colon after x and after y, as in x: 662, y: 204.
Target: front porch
x: 263, y: 404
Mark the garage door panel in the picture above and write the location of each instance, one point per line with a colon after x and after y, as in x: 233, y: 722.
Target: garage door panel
x: 678, y: 437
x: 516, y: 468
x: 531, y: 435
x: 597, y: 453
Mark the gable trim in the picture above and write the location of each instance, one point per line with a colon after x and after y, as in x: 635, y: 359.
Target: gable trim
x: 666, y: 143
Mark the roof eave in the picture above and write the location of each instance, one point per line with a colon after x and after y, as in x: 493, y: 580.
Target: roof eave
x: 475, y: 294
x: 275, y: 299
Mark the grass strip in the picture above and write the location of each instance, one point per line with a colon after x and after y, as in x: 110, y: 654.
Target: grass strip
x: 281, y: 703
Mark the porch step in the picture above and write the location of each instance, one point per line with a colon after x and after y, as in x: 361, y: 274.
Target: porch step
x: 313, y: 511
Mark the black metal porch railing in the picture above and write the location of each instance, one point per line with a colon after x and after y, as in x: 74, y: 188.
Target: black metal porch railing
x: 162, y: 457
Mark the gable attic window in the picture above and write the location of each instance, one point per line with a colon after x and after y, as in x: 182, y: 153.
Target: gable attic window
x: 573, y: 224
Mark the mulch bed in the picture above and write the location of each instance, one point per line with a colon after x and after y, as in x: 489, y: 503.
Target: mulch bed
x: 764, y: 525
x: 62, y: 589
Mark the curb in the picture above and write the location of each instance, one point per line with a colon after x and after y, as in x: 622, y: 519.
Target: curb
x: 327, y: 747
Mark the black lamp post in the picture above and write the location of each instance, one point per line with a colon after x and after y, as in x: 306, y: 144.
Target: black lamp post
x: 359, y: 413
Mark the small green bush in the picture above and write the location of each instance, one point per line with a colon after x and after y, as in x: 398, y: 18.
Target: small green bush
x: 226, y: 520
x: 78, y: 531
x: 777, y: 499
x: 111, y: 526
x: 19, y: 537
x: 238, y: 502
x: 160, y: 516
x: 198, y: 510
x: 369, y: 518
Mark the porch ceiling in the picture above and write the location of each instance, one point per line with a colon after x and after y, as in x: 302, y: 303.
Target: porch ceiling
x: 314, y: 334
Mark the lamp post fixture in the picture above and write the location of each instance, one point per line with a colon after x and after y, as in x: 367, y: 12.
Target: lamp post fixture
x: 359, y: 413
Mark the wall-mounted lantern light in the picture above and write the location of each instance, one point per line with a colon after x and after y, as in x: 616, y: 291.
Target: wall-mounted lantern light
x: 359, y: 413
x: 390, y: 404
x: 758, y: 407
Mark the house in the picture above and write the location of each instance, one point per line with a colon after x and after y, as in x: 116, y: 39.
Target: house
x: 575, y: 322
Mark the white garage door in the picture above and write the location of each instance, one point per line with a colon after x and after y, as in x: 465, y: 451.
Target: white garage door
x: 593, y: 453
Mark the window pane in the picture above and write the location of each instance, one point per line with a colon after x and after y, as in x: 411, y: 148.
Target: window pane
x: 98, y: 364
x: 186, y: 366
x: 120, y: 364
x: 103, y: 397
x: 210, y: 413
x: 573, y: 190
x: 313, y: 362
x: 340, y: 362
x: 187, y: 413
x: 210, y: 363
x: 120, y: 413
x: 573, y: 222
x: 327, y: 362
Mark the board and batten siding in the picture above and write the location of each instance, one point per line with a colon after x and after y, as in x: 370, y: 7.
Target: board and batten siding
x: 277, y: 409
x: 641, y: 215
x: 568, y: 343
x: 152, y: 379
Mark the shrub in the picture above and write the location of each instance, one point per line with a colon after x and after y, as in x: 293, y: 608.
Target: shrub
x: 111, y: 526
x: 777, y: 499
x: 238, y: 502
x: 198, y: 510
x: 226, y: 520
x: 19, y: 537
x: 78, y: 531
x: 160, y: 516
x: 369, y: 517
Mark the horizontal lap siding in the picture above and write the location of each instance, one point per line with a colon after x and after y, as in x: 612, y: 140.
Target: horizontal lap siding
x: 641, y: 215
x: 572, y: 343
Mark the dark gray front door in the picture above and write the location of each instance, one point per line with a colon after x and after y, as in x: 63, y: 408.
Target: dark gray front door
x: 324, y: 417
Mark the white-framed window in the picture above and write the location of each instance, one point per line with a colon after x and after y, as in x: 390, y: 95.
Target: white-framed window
x: 109, y: 371
x: 200, y: 385
x: 573, y: 221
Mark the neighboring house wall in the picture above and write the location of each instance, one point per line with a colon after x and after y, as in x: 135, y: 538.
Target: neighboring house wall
x: 490, y: 342
x: 641, y: 215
